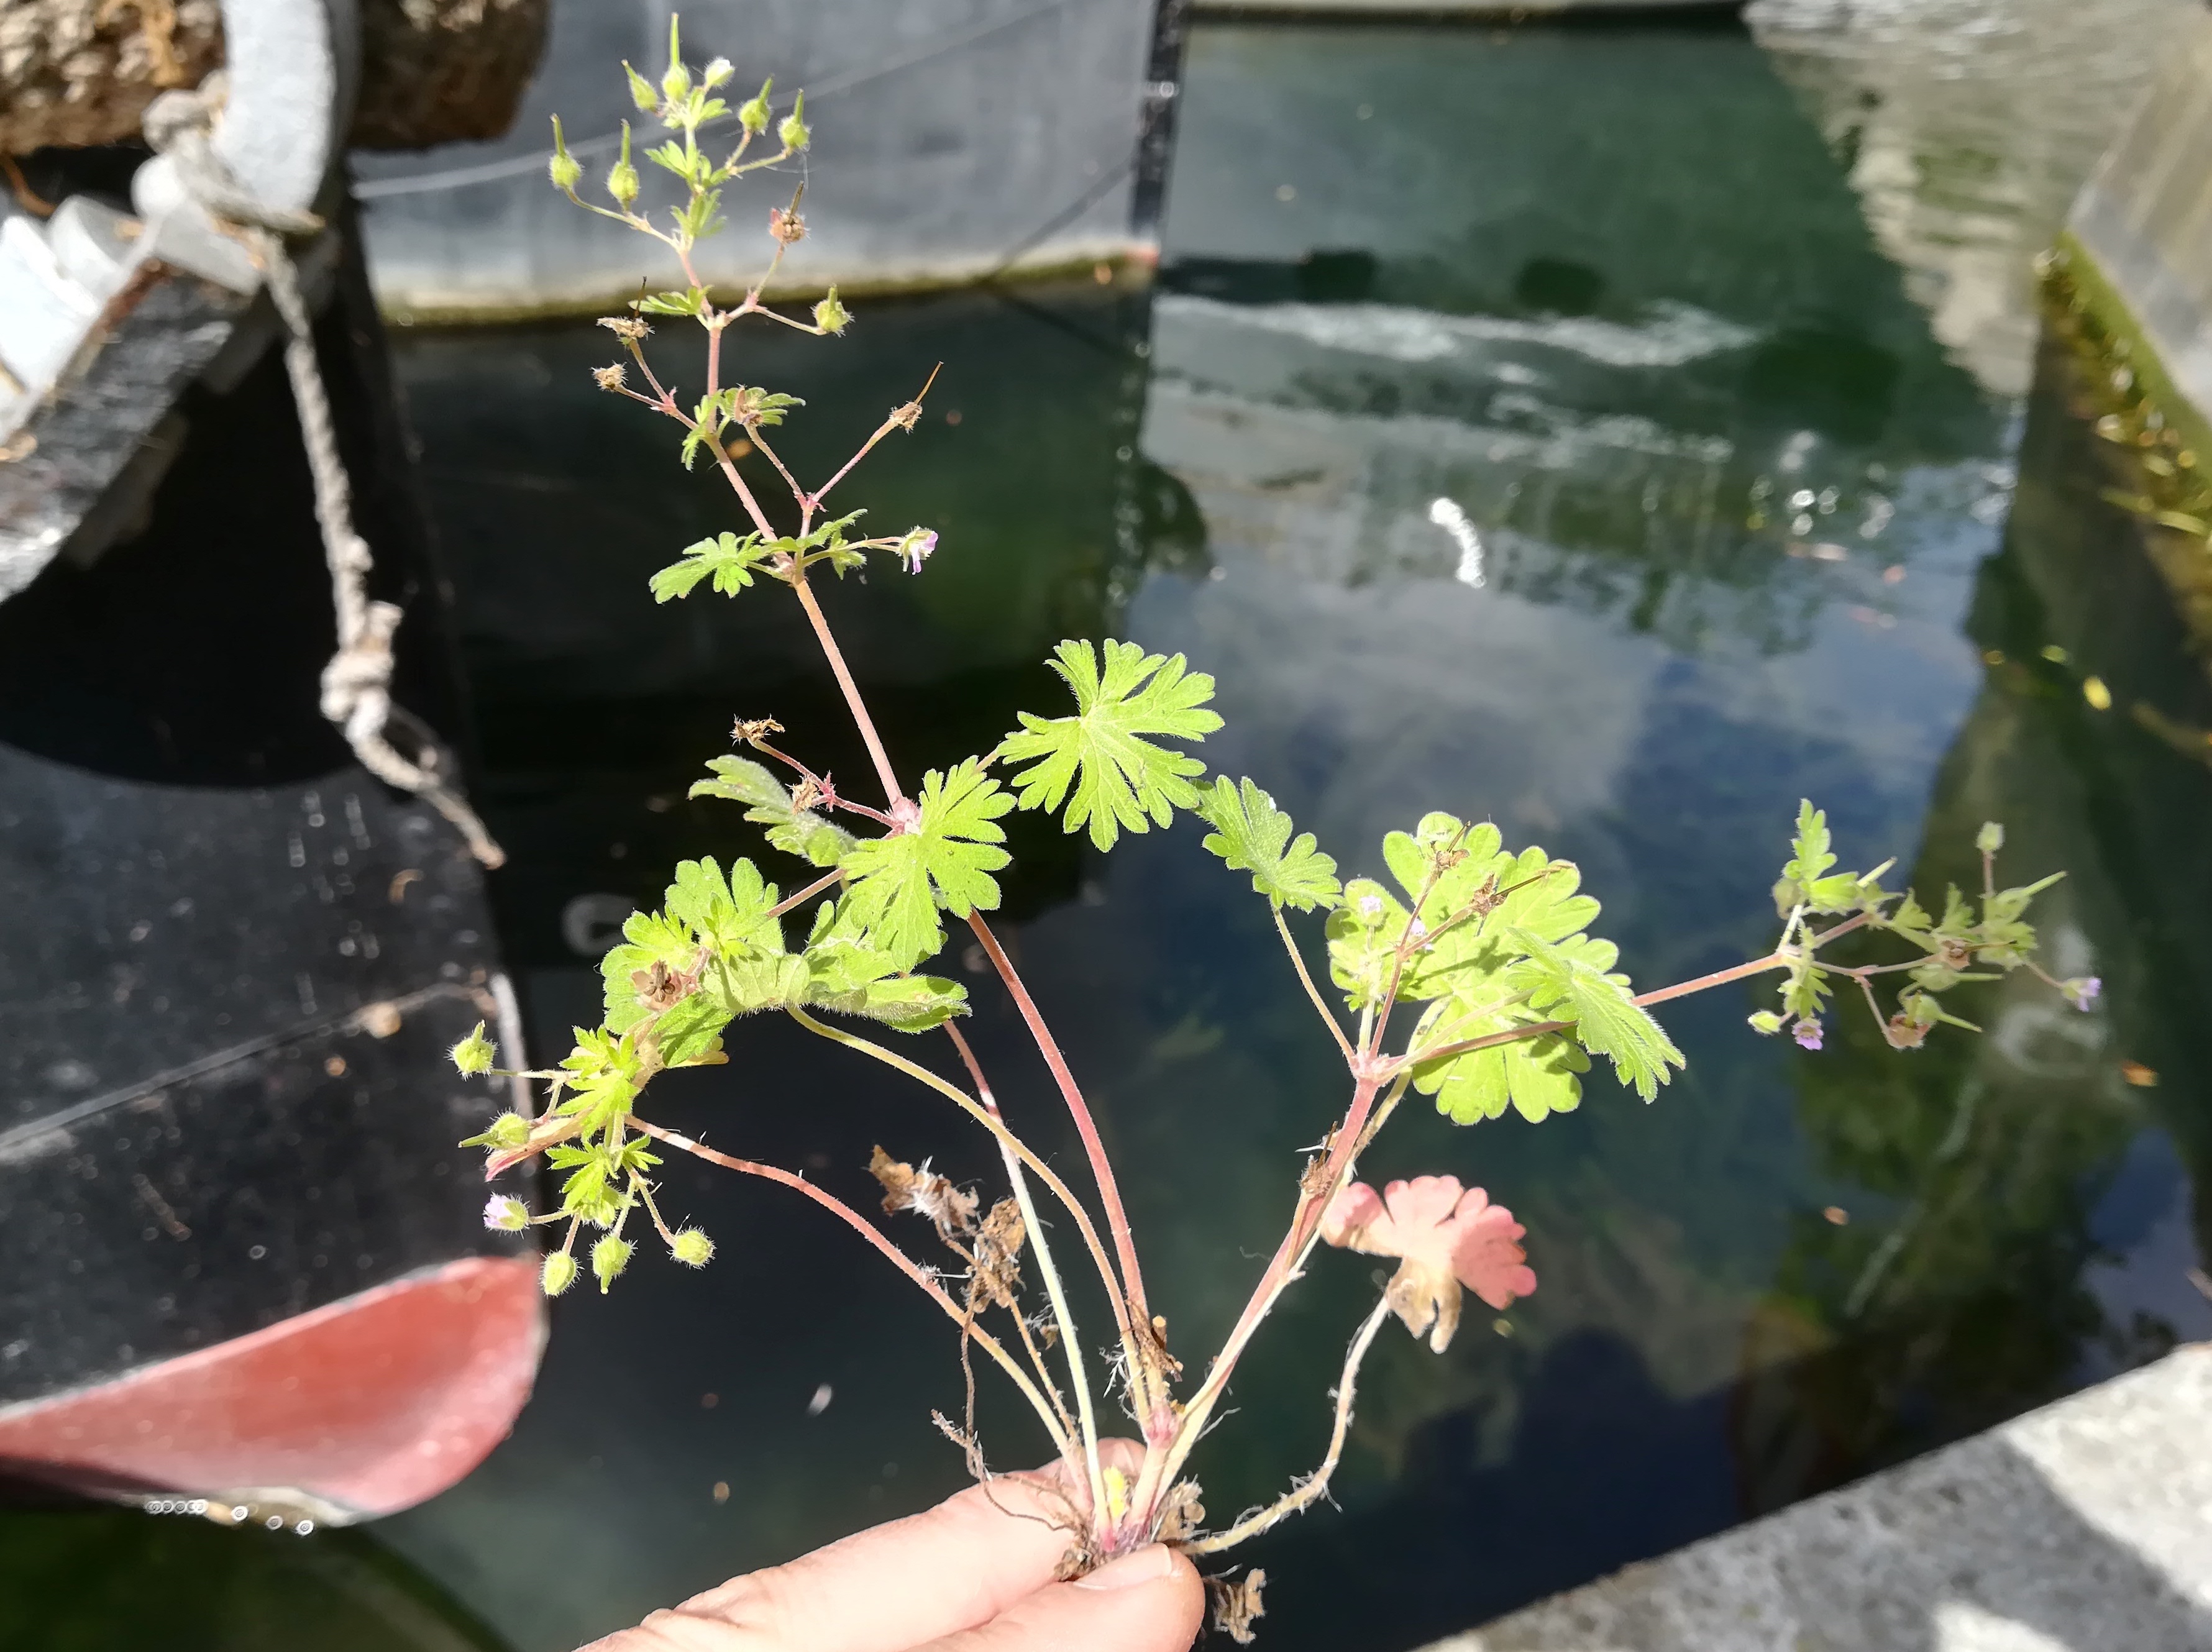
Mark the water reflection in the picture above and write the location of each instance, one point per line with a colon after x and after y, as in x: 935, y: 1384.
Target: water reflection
x: 1608, y: 292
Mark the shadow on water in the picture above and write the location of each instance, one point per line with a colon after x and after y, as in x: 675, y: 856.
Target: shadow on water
x: 1742, y: 530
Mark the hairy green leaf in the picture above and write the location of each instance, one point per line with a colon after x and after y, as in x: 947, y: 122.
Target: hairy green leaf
x: 691, y: 1031
x: 730, y: 561
x: 1567, y: 984
x: 1120, y: 779
x: 1254, y: 835
x: 946, y: 858
x: 1805, y: 880
x: 1539, y: 1076
x: 1492, y: 942
x: 811, y: 836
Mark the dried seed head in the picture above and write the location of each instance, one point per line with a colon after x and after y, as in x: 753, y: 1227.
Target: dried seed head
x: 998, y: 1275
x: 785, y: 225
x: 611, y: 376
x: 1236, y: 1605
x: 662, y: 987
x: 749, y: 729
x: 952, y: 1209
x: 626, y: 326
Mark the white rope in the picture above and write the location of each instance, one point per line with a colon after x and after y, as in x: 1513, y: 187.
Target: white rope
x: 356, y: 684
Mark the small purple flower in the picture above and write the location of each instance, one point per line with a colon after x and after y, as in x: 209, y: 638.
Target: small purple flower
x: 914, y: 549
x: 1807, y: 1032
x: 504, y: 1214
x: 2081, y: 992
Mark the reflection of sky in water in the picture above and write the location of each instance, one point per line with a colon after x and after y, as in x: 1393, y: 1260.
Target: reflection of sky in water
x: 1608, y: 292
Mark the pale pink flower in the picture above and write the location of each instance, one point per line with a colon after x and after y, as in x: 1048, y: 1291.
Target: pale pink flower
x: 1445, y: 1237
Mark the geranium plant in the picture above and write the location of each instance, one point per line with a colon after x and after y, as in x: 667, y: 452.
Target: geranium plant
x: 1472, y: 977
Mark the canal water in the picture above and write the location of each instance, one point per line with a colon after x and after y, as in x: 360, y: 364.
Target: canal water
x: 1725, y: 347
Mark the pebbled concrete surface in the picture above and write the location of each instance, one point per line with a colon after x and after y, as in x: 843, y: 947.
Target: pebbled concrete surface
x: 2085, y: 1527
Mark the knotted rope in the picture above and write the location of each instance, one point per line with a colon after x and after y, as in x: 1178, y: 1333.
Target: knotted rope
x: 356, y: 684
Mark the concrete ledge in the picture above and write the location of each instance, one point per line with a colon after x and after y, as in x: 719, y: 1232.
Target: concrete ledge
x: 2086, y: 1526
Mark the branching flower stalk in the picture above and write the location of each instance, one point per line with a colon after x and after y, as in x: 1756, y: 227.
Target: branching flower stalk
x: 1471, y: 979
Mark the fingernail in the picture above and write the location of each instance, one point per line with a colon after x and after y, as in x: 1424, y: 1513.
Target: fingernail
x: 1147, y: 1566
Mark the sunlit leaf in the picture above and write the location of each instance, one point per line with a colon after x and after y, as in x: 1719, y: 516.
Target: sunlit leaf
x: 1118, y: 779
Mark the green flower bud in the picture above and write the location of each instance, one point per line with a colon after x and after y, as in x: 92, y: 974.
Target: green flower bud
x: 753, y: 114
x: 792, y: 132
x: 509, y: 1131
x: 1767, y: 1022
x: 564, y: 168
x: 1990, y: 838
x: 474, y: 1053
x: 622, y: 180
x: 677, y: 82
x: 608, y: 1258
x: 831, y: 316
x: 558, y: 1274
x: 643, y: 92
x: 692, y: 1248
x: 716, y: 72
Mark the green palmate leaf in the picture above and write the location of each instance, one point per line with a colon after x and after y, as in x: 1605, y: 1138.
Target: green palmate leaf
x: 688, y: 302
x: 1121, y: 781
x: 1538, y: 1076
x: 848, y: 975
x: 1806, y: 881
x: 691, y: 1031
x: 602, y: 1077
x: 945, y: 860
x: 730, y: 561
x: 1499, y: 946
x: 709, y: 926
x: 730, y: 914
x: 826, y: 543
x: 1254, y: 835
x: 1570, y: 985
x: 801, y: 832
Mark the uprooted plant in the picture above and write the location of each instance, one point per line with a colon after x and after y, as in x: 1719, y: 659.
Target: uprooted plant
x: 1474, y: 980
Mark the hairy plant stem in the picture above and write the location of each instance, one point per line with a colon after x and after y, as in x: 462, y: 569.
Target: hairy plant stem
x: 1319, y: 1004
x: 1070, y: 1341
x: 898, y: 1258
x: 853, y: 703
x: 1102, y: 1168
x: 1284, y: 1269
x: 802, y: 896
x: 1316, y: 1483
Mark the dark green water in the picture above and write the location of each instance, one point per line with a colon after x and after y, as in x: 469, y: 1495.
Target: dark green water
x: 1609, y: 291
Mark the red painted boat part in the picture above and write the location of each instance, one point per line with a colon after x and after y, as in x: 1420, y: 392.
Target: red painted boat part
x: 369, y: 1405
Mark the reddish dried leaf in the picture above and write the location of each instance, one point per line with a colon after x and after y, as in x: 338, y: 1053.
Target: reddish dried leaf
x: 1445, y: 1237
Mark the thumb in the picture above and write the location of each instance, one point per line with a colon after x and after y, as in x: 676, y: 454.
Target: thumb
x: 1151, y: 1601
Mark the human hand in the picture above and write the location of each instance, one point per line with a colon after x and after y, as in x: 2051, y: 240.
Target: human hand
x: 975, y: 1574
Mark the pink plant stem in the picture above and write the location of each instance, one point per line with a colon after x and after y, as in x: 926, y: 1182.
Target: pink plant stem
x: 790, y: 481
x: 806, y: 893
x: 898, y: 1258
x: 813, y: 501
x: 853, y: 703
x: 1109, y: 1192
